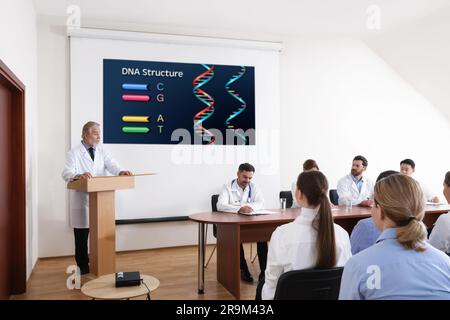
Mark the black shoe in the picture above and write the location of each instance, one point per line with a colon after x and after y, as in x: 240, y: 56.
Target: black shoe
x: 84, y: 270
x: 246, y: 276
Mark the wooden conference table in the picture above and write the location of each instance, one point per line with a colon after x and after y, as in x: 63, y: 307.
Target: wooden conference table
x: 232, y: 229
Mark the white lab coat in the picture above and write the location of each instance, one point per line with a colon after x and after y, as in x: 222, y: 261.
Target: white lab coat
x: 440, y: 236
x: 79, y: 161
x: 232, y: 197
x: 347, y: 189
x: 293, y: 247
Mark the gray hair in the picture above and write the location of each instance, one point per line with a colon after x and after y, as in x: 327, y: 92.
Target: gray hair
x: 88, y: 127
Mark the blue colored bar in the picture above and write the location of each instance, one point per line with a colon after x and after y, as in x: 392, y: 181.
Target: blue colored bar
x: 134, y: 86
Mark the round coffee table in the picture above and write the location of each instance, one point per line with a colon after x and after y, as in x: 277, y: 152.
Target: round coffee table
x: 104, y: 287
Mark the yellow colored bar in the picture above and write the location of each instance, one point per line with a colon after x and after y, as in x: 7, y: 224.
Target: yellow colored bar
x: 135, y: 119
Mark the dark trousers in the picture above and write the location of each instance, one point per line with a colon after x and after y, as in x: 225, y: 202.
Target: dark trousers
x: 261, y: 281
x: 81, y: 248
x: 261, y: 248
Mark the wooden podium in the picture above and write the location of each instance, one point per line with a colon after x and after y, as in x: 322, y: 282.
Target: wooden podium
x: 102, y: 219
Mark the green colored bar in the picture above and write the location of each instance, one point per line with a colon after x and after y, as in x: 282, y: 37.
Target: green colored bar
x: 135, y: 129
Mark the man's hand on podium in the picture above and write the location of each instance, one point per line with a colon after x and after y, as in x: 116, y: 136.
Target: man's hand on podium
x: 85, y: 175
x: 125, y: 173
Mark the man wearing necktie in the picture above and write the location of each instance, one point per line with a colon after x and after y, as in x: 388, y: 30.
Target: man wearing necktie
x: 86, y: 160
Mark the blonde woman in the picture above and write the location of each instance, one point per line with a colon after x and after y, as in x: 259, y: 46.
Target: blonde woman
x: 401, y: 265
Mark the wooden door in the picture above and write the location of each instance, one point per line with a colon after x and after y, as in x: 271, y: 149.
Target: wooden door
x: 12, y: 185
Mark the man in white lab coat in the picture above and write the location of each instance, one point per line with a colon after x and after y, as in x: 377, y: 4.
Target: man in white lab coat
x: 242, y: 196
x: 408, y: 167
x: 355, y: 187
x: 86, y: 160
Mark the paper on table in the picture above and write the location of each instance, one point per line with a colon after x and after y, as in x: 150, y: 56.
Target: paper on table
x: 429, y: 203
x: 258, y: 212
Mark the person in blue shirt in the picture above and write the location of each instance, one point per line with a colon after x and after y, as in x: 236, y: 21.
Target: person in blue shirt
x: 365, y: 233
x: 402, y: 264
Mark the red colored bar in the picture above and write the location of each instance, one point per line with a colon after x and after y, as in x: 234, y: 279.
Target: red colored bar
x: 135, y: 97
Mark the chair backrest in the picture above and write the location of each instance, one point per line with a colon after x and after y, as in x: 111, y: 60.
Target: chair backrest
x: 310, y: 284
x: 334, y: 197
x: 288, y: 196
x: 214, y: 199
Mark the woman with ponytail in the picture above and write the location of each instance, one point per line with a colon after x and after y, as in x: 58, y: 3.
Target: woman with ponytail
x: 312, y: 240
x: 401, y: 265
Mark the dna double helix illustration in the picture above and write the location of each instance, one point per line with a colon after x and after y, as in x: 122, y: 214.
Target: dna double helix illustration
x: 206, y: 99
x: 242, y: 105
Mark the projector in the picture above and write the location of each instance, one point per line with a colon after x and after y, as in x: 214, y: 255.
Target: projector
x: 128, y: 279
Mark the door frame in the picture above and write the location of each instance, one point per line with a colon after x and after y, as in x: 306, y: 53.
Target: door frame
x: 8, y: 78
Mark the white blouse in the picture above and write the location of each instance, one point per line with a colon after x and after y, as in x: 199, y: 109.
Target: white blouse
x: 440, y: 236
x: 293, y: 247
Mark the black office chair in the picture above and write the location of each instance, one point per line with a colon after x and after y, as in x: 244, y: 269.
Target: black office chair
x: 310, y: 284
x: 334, y: 197
x: 288, y: 196
x: 214, y: 199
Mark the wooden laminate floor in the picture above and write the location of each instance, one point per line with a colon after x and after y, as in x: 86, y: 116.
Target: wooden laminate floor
x: 176, y: 269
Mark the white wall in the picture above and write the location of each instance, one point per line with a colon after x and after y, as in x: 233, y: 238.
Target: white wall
x: 54, y: 234
x: 54, y: 104
x: 18, y: 51
x: 420, y: 53
x: 186, y: 173
x: 339, y: 99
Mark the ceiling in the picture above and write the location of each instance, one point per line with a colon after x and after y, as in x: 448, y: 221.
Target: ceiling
x: 287, y: 17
